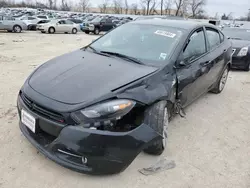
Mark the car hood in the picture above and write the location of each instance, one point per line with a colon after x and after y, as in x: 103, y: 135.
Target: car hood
x: 82, y: 76
x: 240, y: 43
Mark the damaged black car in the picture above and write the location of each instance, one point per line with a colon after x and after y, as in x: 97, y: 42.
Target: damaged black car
x: 95, y: 109
x: 240, y: 38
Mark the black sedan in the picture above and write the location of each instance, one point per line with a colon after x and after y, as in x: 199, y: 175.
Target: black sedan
x: 241, y: 47
x: 95, y: 109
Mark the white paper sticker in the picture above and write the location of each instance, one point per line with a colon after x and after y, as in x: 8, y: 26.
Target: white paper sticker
x: 163, y: 56
x: 165, y: 33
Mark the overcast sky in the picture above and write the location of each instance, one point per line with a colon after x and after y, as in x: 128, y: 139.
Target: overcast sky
x: 237, y: 7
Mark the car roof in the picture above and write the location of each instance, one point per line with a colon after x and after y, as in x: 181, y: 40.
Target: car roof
x: 182, y: 24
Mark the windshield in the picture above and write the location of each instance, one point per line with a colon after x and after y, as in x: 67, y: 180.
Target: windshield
x: 238, y: 34
x: 151, y: 44
x: 97, y: 19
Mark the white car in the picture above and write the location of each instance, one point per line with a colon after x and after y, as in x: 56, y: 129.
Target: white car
x: 58, y: 26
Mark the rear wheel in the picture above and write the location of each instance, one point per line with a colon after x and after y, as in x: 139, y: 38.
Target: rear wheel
x: 52, y: 30
x: 96, y: 31
x: 222, y: 82
x: 156, y: 116
x: 74, y: 31
x: 17, y: 29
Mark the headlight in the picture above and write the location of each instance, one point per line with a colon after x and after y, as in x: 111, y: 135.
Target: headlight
x: 243, y: 51
x: 103, y: 112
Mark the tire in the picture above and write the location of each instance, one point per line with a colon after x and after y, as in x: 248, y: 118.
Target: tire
x: 17, y: 29
x: 96, y: 31
x: 74, y: 31
x: 222, y: 82
x: 52, y: 30
x: 86, y: 32
x: 156, y: 116
x: 247, y: 68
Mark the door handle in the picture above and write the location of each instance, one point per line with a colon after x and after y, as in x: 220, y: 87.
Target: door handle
x: 206, y: 63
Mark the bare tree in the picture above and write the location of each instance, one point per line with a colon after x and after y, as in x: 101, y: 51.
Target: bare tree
x: 134, y: 8
x: 126, y: 6
x: 55, y: 4
x: 148, y: 6
x: 184, y: 8
x: 168, y: 6
x: 84, y: 4
x: 104, y: 6
x: 65, y: 5
x: 50, y: 4
x: 117, y: 6
x: 197, y: 7
x: 178, y: 4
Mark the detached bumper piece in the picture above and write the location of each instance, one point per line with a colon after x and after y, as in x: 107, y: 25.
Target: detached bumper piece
x: 86, y: 150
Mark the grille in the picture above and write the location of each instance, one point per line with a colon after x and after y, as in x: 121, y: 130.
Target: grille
x: 41, y: 110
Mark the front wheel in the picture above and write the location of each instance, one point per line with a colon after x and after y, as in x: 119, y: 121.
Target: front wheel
x: 52, y: 30
x: 222, y: 82
x: 17, y: 29
x: 74, y: 31
x: 96, y: 31
x: 156, y: 116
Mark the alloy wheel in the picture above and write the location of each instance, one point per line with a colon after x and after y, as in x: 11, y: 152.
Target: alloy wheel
x: 223, y: 79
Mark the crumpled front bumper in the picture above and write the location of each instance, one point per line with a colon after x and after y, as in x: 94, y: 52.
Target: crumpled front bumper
x: 90, y: 151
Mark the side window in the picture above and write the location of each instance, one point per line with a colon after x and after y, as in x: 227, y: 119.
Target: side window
x: 62, y: 22
x: 109, y: 21
x: 196, y: 46
x: 104, y: 20
x: 68, y: 22
x: 213, y: 38
x: 221, y: 36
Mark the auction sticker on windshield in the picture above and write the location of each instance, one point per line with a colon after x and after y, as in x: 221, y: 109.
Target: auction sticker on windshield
x: 28, y: 120
x: 165, y: 33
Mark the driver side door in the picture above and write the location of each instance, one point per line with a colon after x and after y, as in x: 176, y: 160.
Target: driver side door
x: 192, y: 71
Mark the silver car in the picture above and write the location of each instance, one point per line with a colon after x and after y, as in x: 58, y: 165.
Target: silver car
x: 12, y: 25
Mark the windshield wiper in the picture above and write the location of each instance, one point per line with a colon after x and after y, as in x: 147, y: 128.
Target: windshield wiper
x: 235, y: 38
x: 95, y: 51
x: 124, y: 57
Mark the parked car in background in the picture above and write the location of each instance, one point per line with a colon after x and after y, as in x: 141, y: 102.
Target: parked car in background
x: 33, y: 26
x: 12, y: 25
x: 95, y: 109
x: 58, y: 26
x: 98, y: 25
x: 240, y: 39
x: 122, y: 22
x: 88, y: 19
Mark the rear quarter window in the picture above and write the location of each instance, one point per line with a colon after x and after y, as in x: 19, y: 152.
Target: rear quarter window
x: 213, y: 38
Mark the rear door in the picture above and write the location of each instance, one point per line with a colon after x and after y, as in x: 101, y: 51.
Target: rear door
x: 217, y: 51
x: 69, y: 25
x: 192, y: 74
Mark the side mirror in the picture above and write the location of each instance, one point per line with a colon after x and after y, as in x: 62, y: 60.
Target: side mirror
x: 180, y: 61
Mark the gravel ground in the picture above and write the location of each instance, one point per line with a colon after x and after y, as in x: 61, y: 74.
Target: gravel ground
x: 210, y: 146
